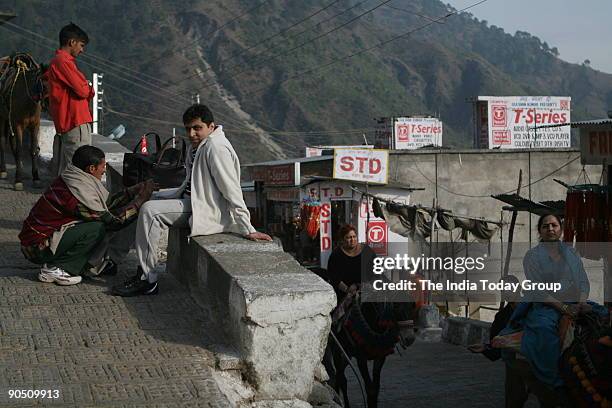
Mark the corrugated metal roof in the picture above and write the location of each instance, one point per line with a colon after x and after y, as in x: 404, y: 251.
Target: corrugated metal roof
x: 582, y: 123
x: 523, y: 204
x: 290, y: 161
x: 595, y: 122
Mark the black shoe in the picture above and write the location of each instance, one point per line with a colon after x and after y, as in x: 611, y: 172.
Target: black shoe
x: 110, y: 269
x: 135, y: 287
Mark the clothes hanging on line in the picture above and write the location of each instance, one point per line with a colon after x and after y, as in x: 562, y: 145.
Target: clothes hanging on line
x: 414, y: 222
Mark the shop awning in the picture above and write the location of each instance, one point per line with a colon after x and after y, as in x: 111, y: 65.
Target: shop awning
x: 519, y: 203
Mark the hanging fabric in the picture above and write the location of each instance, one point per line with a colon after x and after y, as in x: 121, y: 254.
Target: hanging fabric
x: 587, y: 219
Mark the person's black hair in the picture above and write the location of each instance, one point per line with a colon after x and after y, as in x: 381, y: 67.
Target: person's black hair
x: 72, y: 32
x: 86, y: 156
x: 541, y: 220
x: 198, y: 111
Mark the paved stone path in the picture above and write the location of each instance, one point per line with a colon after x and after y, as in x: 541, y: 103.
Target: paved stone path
x: 438, y: 375
x: 93, y: 348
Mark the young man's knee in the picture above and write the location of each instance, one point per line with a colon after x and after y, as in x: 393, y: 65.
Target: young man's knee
x: 147, y: 208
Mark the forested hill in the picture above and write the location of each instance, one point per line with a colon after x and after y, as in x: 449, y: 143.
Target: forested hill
x: 278, y: 73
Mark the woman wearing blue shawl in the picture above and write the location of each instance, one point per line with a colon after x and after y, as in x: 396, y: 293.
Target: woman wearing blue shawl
x: 549, y: 262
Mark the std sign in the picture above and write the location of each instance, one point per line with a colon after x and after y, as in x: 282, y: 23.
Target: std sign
x: 325, y: 232
x: 365, y: 165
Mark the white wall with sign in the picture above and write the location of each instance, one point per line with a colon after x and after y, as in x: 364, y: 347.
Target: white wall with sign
x: 511, y: 120
x: 365, y: 165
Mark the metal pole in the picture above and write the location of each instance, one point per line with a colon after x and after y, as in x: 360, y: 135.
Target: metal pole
x: 94, y: 102
x: 511, y: 235
x: 97, y: 103
x: 608, y: 259
x: 529, y: 186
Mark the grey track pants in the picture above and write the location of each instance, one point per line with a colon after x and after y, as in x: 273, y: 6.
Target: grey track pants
x: 65, y: 144
x: 156, y: 216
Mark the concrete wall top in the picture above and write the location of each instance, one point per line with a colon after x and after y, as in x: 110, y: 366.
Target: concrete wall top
x: 464, y: 183
x: 265, y: 274
x: 480, y: 151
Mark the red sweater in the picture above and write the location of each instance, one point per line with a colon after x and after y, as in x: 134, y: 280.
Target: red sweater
x: 69, y: 93
x: 56, y: 207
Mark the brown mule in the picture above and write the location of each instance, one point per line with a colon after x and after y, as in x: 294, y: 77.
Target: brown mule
x: 21, y: 96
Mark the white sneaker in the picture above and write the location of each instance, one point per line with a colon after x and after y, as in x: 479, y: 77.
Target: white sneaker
x: 52, y: 274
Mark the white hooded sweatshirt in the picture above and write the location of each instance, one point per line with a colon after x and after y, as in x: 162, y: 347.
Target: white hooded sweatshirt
x: 216, y: 196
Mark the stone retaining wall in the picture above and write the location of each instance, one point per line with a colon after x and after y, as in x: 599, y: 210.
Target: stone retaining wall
x: 273, y: 311
x: 274, y: 315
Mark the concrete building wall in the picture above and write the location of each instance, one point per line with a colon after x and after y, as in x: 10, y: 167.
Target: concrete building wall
x: 463, y: 180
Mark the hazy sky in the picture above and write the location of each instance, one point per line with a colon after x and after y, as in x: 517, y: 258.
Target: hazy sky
x: 579, y: 29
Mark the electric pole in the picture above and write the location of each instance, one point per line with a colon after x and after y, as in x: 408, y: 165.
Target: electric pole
x: 97, y: 103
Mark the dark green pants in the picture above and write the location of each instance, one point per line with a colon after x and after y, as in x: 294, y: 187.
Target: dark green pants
x: 74, y: 248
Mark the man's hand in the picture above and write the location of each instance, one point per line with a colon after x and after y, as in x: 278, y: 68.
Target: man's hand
x: 258, y: 236
x: 144, y: 193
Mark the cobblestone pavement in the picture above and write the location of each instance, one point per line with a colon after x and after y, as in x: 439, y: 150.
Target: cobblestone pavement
x: 438, y: 375
x: 93, y: 348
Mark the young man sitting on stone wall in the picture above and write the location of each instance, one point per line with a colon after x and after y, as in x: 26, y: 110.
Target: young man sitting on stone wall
x: 209, y: 200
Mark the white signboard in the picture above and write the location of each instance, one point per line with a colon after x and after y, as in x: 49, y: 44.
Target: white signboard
x: 511, y: 120
x: 365, y: 165
x: 325, y: 232
x: 313, y: 151
x: 318, y: 151
x: 596, y: 144
x: 413, y: 133
x: 326, y: 191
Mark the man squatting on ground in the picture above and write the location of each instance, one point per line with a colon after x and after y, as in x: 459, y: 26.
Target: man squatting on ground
x: 69, y: 223
x: 209, y: 200
x: 69, y: 96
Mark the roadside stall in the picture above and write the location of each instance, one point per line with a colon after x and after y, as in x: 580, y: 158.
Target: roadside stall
x: 305, y: 201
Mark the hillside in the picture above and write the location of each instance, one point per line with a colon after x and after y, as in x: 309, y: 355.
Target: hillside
x: 271, y: 96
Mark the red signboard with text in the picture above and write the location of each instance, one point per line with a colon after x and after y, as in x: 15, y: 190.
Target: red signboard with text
x: 325, y: 233
x: 281, y: 175
x: 378, y: 236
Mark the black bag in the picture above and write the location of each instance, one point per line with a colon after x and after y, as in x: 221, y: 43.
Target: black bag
x: 166, y: 166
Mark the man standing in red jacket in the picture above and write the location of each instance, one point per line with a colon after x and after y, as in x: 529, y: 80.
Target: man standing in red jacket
x: 69, y: 96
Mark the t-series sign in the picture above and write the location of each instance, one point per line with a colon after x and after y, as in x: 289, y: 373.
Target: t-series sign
x: 365, y: 165
x: 528, y: 121
x: 413, y: 133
